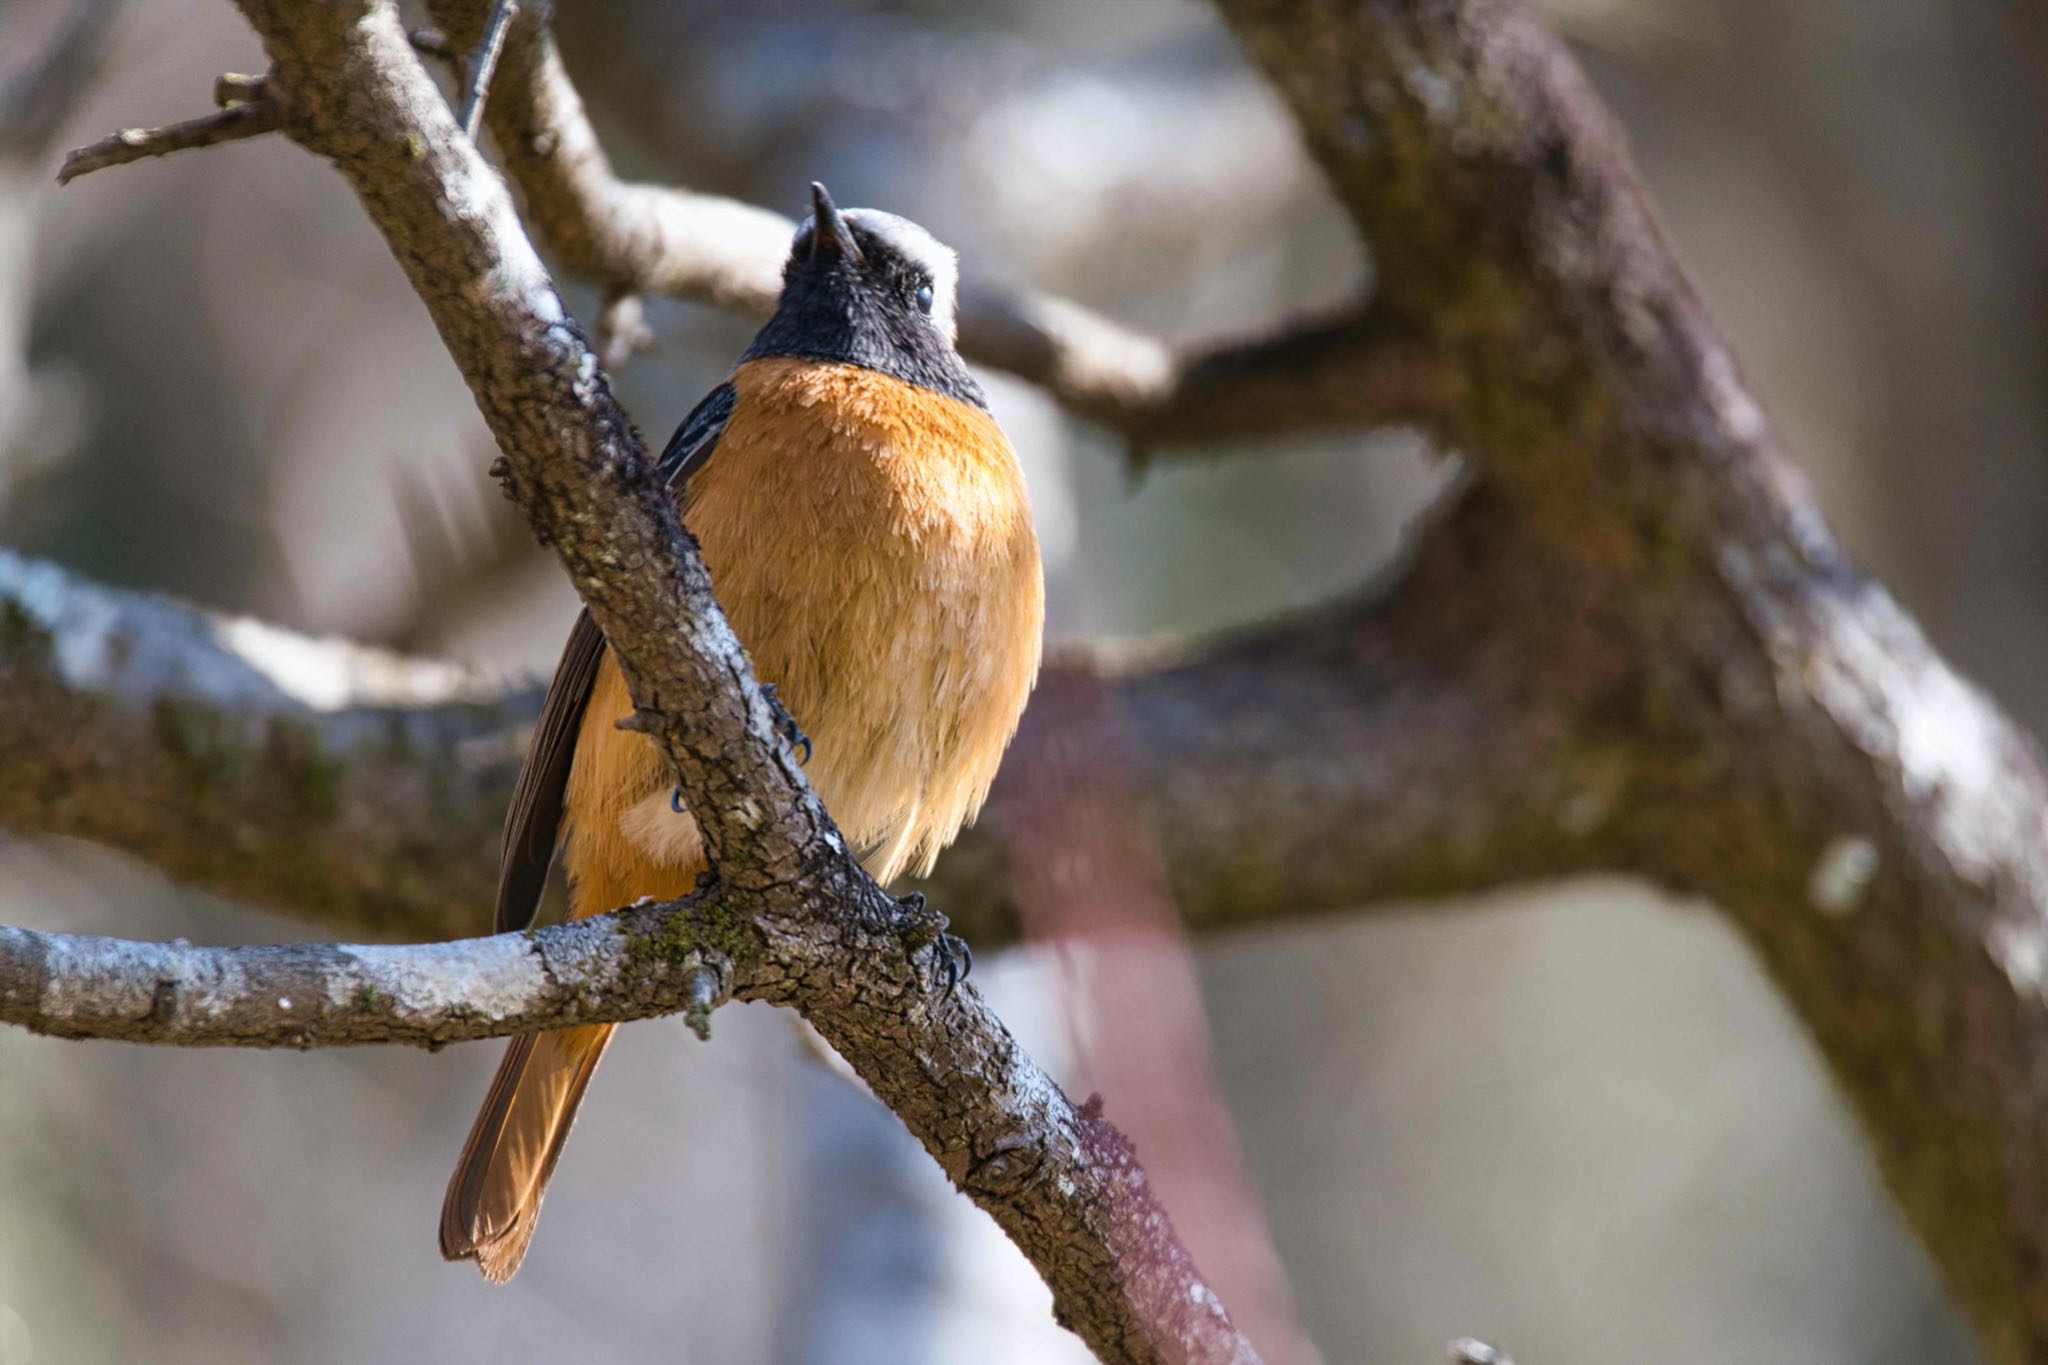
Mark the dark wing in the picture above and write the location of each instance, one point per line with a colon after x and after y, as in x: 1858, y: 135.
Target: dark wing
x: 536, y: 815
x: 691, y: 446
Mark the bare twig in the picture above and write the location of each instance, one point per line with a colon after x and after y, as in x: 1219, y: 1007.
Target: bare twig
x: 432, y: 42
x: 337, y: 994
x: 483, y: 63
x: 232, y: 124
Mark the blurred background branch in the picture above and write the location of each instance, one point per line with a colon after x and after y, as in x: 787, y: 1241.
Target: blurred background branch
x: 1897, y: 888
x: 315, y: 776
x: 36, y: 100
x: 1359, y: 753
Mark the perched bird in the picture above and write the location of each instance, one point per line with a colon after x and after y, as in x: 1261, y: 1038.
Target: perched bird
x: 868, y: 535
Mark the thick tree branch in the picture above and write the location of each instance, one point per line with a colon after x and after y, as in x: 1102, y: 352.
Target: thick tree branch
x: 1313, y: 765
x: 1797, y: 752
x: 309, y: 775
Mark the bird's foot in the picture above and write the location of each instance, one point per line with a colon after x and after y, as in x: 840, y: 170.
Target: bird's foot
x: 958, y: 960
x: 924, y: 927
x: 785, y: 724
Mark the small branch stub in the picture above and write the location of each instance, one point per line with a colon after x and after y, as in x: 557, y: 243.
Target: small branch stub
x: 231, y: 88
x: 432, y: 42
x: 642, y: 722
x: 707, y: 984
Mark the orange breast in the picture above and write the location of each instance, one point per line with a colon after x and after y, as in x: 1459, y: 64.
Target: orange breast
x: 872, y: 544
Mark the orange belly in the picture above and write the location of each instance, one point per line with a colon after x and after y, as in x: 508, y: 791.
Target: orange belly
x: 872, y: 545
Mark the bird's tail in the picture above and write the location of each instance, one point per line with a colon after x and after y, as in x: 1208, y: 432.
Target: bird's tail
x: 494, y: 1197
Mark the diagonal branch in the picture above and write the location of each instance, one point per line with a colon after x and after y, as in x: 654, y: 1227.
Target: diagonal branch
x: 1360, y: 368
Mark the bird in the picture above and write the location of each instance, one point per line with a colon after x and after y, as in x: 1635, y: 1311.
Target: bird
x: 869, y: 537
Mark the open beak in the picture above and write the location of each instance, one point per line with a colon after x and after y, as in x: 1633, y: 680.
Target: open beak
x: 830, y: 236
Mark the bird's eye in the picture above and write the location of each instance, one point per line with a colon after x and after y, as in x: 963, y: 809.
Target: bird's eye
x: 923, y: 298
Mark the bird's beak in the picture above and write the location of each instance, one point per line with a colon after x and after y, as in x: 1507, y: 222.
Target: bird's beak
x: 830, y: 236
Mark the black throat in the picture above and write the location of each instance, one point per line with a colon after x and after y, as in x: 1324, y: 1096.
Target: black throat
x: 834, y: 314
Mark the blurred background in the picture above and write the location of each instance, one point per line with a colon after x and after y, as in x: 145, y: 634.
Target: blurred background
x: 1574, y: 1121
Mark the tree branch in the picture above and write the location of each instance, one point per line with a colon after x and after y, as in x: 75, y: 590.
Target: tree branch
x: 232, y: 124
x: 483, y: 64
x: 309, y: 775
x: 658, y: 959
x: 1796, y: 750
x: 1359, y: 368
x: 1311, y: 766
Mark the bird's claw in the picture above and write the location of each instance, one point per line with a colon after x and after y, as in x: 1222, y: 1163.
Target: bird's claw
x: 923, y: 926
x: 785, y: 724
x: 675, y: 799
x: 957, y: 959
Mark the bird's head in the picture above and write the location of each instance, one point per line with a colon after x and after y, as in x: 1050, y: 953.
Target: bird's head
x: 869, y: 288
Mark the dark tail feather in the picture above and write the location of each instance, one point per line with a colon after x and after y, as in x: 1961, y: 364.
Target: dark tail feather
x: 494, y: 1197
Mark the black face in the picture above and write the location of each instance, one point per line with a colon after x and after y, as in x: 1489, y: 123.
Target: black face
x: 869, y: 289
